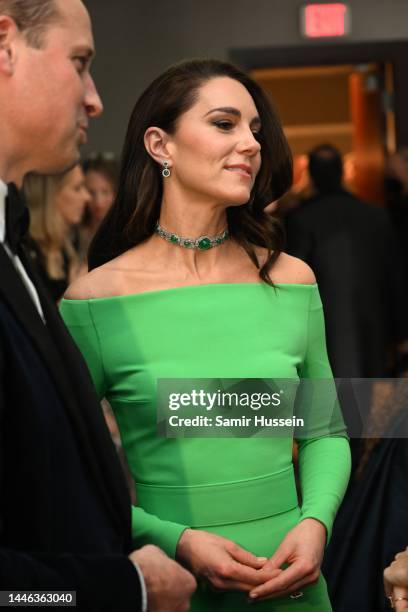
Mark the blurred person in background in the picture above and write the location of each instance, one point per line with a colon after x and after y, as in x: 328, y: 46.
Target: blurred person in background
x: 351, y: 247
x: 396, y: 189
x: 56, y: 205
x: 101, y: 180
x: 372, y: 523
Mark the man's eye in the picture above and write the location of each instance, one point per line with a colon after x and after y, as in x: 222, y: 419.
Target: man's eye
x: 224, y: 125
x: 80, y: 63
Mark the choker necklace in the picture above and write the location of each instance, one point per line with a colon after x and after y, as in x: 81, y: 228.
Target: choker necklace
x: 202, y: 243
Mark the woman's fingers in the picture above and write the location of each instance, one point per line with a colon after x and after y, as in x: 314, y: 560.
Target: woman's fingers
x: 269, y: 588
x: 396, y: 574
x: 279, y: 557
x: 231, y: 584
x: 238, y: 570
x: 245, y: 557
x: 295, y: 588
x: 400, y: 596
x: 288, y: 579
x: 387, y: 583
x: 233, y: 571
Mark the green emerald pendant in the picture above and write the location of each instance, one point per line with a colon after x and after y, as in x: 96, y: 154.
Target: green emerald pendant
x: 204, y: 243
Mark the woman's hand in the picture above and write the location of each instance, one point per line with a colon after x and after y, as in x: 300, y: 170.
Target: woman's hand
x: 224, y: 564
x: 396, y: 581
x: 302, y: 550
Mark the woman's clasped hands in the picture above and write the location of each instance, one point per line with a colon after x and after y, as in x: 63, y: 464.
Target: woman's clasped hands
x: 227, y: 566
x: 222, y: 563
x: 302, y: 552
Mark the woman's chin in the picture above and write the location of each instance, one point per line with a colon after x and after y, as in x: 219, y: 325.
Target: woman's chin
x: 238, y: 199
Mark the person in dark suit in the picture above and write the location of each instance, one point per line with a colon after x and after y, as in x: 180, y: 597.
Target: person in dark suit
x: 351, y: 247
x: 64, y: 506
x: 353, y: 251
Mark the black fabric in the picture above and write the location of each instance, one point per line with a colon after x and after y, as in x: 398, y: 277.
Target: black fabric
x: 398, y: 211
x: 64, y: 505
x: 370, y: 528
x: 17, y: 218
x: 352, y: 249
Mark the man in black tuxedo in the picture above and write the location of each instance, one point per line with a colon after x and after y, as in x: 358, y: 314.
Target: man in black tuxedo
x: 352, y: 249
x: 64, y: 506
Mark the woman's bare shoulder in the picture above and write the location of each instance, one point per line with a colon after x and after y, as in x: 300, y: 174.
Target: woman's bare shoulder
x: 292, y: 270
x: 97, y: 283
x: 109, y: 280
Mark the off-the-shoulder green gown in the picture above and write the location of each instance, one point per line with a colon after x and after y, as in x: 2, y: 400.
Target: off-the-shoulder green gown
x: 243, y: 489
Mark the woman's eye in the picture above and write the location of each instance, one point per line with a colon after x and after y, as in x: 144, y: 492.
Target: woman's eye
x: 224, y: 125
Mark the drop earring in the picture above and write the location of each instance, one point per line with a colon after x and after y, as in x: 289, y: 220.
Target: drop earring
x: 166, y: 172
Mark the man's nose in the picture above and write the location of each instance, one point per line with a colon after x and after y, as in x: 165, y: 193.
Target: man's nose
x: 93, y: 102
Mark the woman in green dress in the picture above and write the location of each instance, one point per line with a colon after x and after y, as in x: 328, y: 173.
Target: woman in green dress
x: 188, y: 280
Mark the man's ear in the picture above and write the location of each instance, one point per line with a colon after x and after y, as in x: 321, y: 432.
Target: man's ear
x: 8, y: 48
x: 156, y: 142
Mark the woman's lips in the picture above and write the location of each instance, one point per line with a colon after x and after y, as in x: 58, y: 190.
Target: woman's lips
x: 240, y: 169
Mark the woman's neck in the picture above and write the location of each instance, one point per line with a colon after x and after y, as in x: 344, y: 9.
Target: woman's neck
x: 192, y: 220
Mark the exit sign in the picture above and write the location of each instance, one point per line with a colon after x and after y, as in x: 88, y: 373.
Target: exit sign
x: 325, y: 20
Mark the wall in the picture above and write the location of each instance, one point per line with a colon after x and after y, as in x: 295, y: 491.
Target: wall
x: 137, y: 39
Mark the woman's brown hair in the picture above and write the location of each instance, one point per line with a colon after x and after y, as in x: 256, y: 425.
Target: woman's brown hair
x: 133, y: 216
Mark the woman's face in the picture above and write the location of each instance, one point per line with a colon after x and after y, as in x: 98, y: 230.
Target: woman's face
x: 215, y: 154
x: 102, y: 194
x: 72, y: 197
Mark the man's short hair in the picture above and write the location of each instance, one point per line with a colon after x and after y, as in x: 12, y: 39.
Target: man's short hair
x: 32, y: 17
x: 325, y: 168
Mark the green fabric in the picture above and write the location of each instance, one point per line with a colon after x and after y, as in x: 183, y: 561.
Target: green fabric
x: 214, y: 331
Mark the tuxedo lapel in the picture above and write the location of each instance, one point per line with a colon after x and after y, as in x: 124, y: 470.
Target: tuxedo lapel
x: 65, y: 365
x: 15, y: 294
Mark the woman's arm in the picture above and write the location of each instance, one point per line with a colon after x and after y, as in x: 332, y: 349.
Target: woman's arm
x: 324, y: 469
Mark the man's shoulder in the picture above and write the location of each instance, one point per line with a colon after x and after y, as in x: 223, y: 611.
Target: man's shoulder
x: 307, y: 208
x: 343, y: 201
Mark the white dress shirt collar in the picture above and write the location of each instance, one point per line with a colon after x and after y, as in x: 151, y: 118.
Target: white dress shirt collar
x: 3, y: 195
x: 32, y: 291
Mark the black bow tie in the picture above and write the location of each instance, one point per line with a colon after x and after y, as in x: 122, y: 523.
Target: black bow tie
x: 17, y: 218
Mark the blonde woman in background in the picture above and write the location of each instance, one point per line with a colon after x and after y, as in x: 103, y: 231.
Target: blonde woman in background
x: 56, y: 205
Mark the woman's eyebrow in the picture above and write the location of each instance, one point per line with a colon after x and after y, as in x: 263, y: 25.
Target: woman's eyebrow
x: 225, y: 109
x: 232, y: 111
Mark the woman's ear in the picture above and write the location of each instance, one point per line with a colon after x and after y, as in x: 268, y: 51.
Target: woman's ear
x: 156, y: 141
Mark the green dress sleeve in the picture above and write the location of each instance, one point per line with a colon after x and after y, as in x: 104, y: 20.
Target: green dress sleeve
x: 78, y: 318
x: 324, y: 462
x: 146, y: 528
